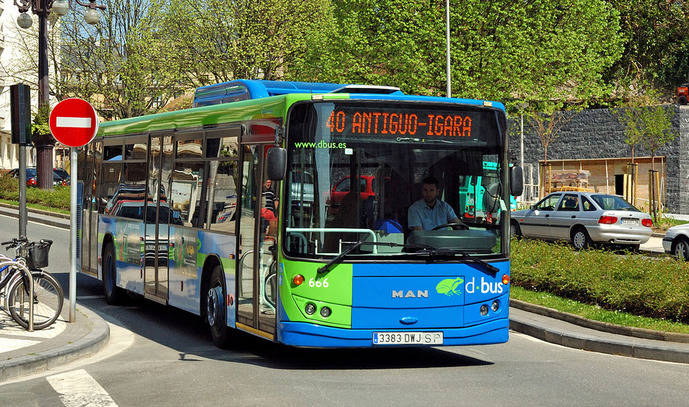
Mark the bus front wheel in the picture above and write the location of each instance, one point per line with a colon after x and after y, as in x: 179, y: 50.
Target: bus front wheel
x: 113, y: 294
x: 216, y: 309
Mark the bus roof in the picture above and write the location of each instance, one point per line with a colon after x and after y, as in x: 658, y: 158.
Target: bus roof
x: 269, y: 107
x: 243, y: 89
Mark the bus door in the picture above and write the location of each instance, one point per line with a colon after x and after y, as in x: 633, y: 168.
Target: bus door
x: 256, y: 267
x: 86, y: 176
x: 157, y: 220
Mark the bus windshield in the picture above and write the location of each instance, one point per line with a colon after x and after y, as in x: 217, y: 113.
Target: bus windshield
x: 411, y: 194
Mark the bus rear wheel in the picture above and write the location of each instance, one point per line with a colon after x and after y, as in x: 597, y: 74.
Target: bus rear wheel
x: 113, y: 294
x: 216, y: 309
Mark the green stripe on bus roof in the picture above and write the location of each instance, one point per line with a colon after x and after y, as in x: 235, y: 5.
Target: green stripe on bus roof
x: 264, y: 108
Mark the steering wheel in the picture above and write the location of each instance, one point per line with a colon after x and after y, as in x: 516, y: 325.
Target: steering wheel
x: 462, y: 225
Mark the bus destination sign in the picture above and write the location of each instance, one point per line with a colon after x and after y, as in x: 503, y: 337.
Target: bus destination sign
x: 353, y: 121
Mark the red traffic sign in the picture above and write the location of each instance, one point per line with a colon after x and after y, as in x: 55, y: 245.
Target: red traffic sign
x: 74, y: 122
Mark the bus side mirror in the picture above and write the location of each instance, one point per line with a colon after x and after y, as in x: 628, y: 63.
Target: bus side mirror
x: 516, y: 181
x: 277, y: 163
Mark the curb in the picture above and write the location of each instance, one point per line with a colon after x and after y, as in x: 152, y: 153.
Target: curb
x: 38, y: 211
x: 38, y: 219
x: 600, y: 326
x: 589, y: 343
x: 87, y: 345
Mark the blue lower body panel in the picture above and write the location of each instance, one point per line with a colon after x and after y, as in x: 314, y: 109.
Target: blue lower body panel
x: 312, y: 335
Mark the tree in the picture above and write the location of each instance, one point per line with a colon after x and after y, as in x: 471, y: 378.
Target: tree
x: 217, y: 41
x: 649, y: 125
x: 537, y: 50
x: 656, y: 44
x: 547, y: 120
x: 118, y: 64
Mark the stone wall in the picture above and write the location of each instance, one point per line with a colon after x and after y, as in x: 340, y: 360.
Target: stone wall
x: 597, y: 133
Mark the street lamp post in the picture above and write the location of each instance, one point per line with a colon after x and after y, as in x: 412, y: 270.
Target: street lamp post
x: 44, y: 143
x: 447, y: 49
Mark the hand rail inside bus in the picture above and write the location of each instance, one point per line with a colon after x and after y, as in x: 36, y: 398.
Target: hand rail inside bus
x: 337, y: 230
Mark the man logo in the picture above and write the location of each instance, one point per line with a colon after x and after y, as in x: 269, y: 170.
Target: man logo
x: 409, y: 294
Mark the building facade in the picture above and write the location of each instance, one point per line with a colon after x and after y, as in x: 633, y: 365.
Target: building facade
x: 593, y: 141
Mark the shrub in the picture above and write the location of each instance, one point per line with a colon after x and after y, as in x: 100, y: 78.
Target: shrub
x: 649, y: 286
x: 55, y: 198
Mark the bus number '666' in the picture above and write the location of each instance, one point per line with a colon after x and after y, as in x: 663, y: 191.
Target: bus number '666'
x: 317, y: 283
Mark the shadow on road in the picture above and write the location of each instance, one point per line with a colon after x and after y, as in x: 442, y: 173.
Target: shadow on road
x: 188, y: 335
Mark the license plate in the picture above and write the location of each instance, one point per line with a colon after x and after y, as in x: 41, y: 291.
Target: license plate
x: 630, y: 221
x: 407, y: 338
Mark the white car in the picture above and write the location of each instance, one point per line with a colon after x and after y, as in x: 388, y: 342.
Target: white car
x: 676, y: 241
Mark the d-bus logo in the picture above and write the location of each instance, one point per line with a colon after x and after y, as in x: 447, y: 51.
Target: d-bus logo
x: 483, y: 286
x: 450, y: 286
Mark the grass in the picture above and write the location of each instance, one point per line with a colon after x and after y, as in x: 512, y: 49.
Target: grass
x: 653, y: 287
x: 595, y: 312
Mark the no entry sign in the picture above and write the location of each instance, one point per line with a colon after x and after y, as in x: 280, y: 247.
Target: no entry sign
x: 73, y: 122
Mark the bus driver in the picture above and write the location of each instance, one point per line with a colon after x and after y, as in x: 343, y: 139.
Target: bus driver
x: 429, y: 212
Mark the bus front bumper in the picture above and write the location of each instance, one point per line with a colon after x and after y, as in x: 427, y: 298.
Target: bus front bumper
x: 317, y: 336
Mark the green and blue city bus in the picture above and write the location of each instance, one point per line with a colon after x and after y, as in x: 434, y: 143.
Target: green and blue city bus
x: 240, y: 210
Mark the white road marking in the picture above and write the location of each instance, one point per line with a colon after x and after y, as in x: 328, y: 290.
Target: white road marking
x: 77, y: 388
x: 78, y: 122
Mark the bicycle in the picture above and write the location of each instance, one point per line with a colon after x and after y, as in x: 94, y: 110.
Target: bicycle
x: 48, y: 295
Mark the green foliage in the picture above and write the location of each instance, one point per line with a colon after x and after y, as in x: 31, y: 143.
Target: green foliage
x: 41, y: 120
x: 652, y: 287
x: 118, y: 65
x: 533, y: 51
x: 217, y: 41
x: 656, y: 38
x: 58, y: 197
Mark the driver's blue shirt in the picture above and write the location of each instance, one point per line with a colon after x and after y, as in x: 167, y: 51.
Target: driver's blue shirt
x: 420, y: 214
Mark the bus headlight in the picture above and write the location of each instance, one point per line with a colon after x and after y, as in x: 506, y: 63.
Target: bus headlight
x: 325, y: 312
x: 495, y: 306
x: 310, y: 308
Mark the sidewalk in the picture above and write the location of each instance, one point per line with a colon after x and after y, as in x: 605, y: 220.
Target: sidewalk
x: 23, y: 353
x: 575, y: 332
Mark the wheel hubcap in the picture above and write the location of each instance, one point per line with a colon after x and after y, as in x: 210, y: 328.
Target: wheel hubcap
x: 682, y: 250
x: 213, y: 304
x: 579, y: 240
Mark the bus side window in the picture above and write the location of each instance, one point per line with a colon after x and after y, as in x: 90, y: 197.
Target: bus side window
x: 110, y: 179
x: 222, y: 196
x: 186, y: 191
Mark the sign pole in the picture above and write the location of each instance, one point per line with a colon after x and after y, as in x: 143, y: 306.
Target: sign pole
x: 73, y: 234
x: 22, y: 191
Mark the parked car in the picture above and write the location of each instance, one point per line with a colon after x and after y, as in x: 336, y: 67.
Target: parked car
x: 583, y: 218
x: 676, y: 241
x: 63, y: 174
x: 32, y: 180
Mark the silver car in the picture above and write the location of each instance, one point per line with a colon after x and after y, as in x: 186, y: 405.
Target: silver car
x: 583, y: 218
x: 676, y: 241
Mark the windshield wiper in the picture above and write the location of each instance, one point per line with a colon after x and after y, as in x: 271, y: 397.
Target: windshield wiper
x: 341, y: 256
x: 465, y: 256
